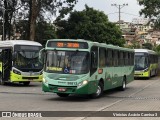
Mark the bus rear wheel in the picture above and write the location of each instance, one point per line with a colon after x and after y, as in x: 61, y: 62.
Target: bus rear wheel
x: 62, y: 94
x: 99, y: 91
x: 26, y: 83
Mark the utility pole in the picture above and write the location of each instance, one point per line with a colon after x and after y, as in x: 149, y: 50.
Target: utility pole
x: 119, y: 8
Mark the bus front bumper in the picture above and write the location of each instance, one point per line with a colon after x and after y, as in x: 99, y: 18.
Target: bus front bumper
x: 141, y: 74
x: 89, y: 88
x: 19, y: 78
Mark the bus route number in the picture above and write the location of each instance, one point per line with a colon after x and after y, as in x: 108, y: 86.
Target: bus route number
x: 72, y: 83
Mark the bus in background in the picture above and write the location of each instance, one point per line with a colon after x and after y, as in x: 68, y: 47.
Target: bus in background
x: 146, y: 63
x: 85, y: 67
x: 19, y: 61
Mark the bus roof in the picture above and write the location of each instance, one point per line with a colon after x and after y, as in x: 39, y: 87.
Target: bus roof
x: 11, y: 43
x: 145, y: 51
x: 93, y: 43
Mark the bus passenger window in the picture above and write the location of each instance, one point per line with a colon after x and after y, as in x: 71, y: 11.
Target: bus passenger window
x: 109, y: 57
x: 102, y: 57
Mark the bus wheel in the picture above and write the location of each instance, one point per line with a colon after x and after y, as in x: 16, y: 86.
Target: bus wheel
x: 26, y: 83
x: 2, y: 82
x: 123, y: 87
x: 99, y: 91
x: 62, y: 94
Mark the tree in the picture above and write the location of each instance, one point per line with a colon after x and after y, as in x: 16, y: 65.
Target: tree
x: 34, y: 11
x: 157, y: 49
x: 152, y: 10
x: 39, y: 7
x: 91, y: 25
x: 45, y: 31
x: 7, y: 8
x: 147, y: 46
x: 135, y: 45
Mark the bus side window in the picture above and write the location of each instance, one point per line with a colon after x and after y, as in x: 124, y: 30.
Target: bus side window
x: 109, y: 57
x: 129, y: 58
x: 132, y: 58
x: 102, y: 57
x: 121, y: 58
x: 94, y: 59
x: 126, y: 58
x: 116, y: 57
x: 0, y: 55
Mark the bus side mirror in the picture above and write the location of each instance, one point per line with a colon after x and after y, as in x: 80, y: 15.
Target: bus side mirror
x: 42, y: 55
x: 14, y: 55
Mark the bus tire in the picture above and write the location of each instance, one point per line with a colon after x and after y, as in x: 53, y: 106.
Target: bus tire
x: 26, y: 83
x: 99, y: 91
x: 123, y: 86
x: 62, y: 94
x: 1, y: 81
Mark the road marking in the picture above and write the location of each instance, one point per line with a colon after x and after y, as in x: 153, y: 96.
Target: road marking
x: 112, y: 104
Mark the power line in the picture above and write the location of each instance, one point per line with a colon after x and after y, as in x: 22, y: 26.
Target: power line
x: 130, y: 14
x: 112, y: 13
x: 119, y: 8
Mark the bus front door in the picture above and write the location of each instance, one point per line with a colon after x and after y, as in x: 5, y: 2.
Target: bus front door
x: 6, y: 64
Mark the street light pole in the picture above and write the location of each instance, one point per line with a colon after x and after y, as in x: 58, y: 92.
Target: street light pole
x: 119, y: 8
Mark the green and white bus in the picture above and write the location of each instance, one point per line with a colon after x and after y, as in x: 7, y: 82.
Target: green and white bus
x: 85, y: 67
x: 146, y: 63
x: 19, y: 61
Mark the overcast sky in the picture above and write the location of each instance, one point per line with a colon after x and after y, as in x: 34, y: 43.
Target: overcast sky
x: 128, y: 12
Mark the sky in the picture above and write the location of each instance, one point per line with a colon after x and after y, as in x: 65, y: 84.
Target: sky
x: 127, y: 12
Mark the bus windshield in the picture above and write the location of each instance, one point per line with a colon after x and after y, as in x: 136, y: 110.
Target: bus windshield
x: 67, y: 62
x: 27, y: 59
x: 141, y: 62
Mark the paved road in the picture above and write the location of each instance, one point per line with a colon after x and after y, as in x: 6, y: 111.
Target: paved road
x: 140, y: 95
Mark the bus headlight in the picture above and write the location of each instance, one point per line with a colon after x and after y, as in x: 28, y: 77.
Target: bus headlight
x: 82, y: 83
x: 44, y: 80
x: 16, y: 72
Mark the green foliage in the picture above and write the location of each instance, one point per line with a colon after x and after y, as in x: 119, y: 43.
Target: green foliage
x: 152, y: 10
x: 45, y: 31
x: 157, y: 49
x: 147, y: 46
x: 36, y: 9
x: 135, y: 45
x: 91, y: 25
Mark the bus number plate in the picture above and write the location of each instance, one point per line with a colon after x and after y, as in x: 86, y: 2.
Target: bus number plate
x: 62, y: 89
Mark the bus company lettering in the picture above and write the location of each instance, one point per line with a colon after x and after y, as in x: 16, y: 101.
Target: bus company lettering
x: 54, y: 68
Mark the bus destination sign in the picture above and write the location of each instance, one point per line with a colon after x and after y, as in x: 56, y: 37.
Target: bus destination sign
x: 67, y: 44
